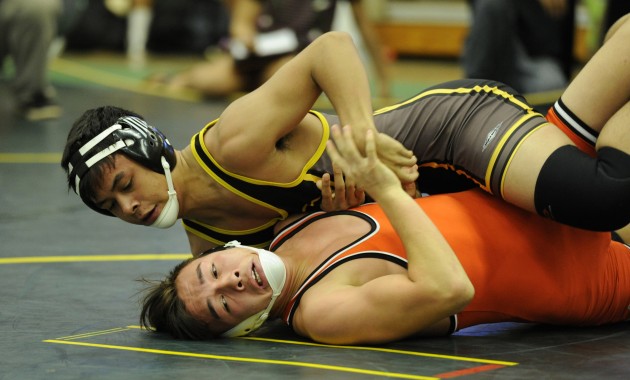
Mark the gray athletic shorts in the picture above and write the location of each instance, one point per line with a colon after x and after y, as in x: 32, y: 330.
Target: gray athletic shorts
x: 470, y: 127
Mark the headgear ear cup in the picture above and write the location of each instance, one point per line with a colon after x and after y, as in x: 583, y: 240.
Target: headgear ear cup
x: 148, y: 143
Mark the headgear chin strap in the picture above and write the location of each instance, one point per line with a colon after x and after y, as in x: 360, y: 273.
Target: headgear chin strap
x: 276, y: 274
x: 169, y: 213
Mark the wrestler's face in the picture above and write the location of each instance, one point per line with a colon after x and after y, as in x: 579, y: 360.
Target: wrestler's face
x: 131, y: 192
x: 221, y: 289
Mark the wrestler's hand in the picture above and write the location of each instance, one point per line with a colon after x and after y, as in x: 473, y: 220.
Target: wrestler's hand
x: 411, y: 189
x: 398, y: 158
x: 369, y: 172
x: 345, y: 195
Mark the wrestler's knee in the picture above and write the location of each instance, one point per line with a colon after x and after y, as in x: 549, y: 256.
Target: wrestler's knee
x: 591, y: 193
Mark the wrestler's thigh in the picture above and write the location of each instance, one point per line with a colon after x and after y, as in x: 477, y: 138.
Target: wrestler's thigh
x: 616, y: 132
x: 522, y: 172
x: 603, y: 85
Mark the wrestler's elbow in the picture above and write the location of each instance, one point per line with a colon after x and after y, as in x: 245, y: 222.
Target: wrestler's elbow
x: 458, y: 293
x: 466, y: 294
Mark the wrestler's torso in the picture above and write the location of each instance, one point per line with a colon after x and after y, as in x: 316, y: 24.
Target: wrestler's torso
x: 523, y: 268
x: 246, y: 203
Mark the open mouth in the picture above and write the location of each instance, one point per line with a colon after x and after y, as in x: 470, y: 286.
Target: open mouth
x: 256, y: 276
x: 148, y: 218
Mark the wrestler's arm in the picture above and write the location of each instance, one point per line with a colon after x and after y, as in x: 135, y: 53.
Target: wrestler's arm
x: 395, y: 306
x: 250, y: 127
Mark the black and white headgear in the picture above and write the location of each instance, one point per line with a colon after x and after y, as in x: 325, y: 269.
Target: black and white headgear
x: 134, y: 137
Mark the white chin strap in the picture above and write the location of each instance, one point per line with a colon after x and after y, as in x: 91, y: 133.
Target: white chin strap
x: 170, y: 212
x: 276, y: 275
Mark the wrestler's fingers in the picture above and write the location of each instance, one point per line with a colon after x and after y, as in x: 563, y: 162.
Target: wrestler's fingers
x: 331, y: 146
x: 324, y: 185
x: 338, y: 178
x: 370, y: 146
x: 342, y: 150
x: 393, y: 151
x: 351, y: 192
x: 357, y: 198
x: 403, y: 160
x: 340, y: 187
x: 407, y: 173
x: 347, y: 145
x: 411, y: 189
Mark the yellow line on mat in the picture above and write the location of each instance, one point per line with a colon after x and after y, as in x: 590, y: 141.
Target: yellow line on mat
x: 378, y: 349
x: 247, y: 360
x: 88, y: 258
x: 94, y: 333
x: 388, y: 350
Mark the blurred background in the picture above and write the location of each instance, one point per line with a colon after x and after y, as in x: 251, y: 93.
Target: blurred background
x: 167, y: 48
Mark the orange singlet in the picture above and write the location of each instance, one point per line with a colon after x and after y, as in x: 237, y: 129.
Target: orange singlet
x: 523, y: 267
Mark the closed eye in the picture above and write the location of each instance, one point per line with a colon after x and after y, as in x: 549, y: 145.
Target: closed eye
x: 128, y: 186
x: 105, y: 205
x: 214, y: 271
x: 111, y: 206
x: 224, y: 304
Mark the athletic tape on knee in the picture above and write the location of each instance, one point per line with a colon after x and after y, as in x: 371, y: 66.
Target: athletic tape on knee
x: 590, y: 193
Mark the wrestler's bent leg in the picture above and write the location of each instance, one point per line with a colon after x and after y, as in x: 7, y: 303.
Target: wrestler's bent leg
x: 602, y: 87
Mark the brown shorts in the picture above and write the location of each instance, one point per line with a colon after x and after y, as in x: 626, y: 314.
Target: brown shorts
x: 471, y: 127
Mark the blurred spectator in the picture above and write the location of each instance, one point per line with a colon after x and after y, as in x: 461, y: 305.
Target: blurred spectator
x: 182, y: 26
x: 138, y: 27
x: 263, y: 35
x: 526, y: 44
x: 27, y: 28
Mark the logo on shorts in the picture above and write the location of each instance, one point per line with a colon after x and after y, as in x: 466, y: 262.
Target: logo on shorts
x: 490, y: 136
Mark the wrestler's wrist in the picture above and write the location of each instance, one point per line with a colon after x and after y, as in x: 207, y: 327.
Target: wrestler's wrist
x: 387, y: 193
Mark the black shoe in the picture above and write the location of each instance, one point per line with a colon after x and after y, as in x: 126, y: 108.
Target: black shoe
x: 40, y: 107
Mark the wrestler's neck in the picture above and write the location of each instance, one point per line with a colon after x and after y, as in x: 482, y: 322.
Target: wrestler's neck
x: 298, y: 269
x: 302, y: 255
x: 197, y: 191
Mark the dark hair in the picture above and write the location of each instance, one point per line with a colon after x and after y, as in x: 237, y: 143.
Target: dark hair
x: 163, y: 311
x: 84, y: 129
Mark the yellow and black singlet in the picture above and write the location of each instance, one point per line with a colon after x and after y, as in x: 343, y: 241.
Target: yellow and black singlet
x: 470, y: 128
x: 297, y: 196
